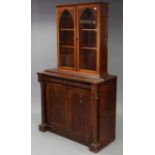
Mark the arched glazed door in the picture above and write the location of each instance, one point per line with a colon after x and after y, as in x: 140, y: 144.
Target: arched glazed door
x: 87, y: 34
x: 66, y: 39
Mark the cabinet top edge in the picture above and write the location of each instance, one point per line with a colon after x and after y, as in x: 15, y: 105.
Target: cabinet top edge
x: 76, y: 4
x: 53, y: 73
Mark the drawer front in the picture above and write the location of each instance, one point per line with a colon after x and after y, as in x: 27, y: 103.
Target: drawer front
x: 68, y: 83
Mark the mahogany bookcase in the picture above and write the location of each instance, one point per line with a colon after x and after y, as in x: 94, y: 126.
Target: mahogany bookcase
x: 79, y: 96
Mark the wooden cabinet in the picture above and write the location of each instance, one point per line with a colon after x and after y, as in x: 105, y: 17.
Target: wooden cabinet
x: 78, y: 98
x: 79, y: 108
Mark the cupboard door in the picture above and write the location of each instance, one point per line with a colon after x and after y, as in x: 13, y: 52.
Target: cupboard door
x: 80, y: 114
x: 87, y: 34
x: 66, y: 38
x: 57, y: 106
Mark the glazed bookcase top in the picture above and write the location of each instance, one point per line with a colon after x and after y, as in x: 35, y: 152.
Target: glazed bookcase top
x: 82, y: 38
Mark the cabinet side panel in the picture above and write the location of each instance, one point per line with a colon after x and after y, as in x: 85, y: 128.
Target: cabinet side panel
x: 107, y: 111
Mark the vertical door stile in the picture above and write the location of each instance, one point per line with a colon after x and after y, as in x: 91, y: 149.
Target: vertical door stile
x: 98, y: 40
x: 75, y: 36
x: 57, y: 30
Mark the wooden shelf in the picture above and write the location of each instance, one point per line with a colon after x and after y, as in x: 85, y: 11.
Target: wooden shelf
x: 88, y: 48
x: 66, y: 46
x: 66, y: 29
x: 89, y: 30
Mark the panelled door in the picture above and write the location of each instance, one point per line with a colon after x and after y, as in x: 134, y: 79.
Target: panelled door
x: 80, y: 114
x: 69, y: 110
x: 57, y: 106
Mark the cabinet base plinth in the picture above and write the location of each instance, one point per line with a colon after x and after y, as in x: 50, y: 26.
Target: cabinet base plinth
x: 43, y: 127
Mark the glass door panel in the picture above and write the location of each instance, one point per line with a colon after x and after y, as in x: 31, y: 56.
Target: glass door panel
x: 88, y: 59
x: 66, y: 40
x: 87, y: 20
x: 87, y: 40
x: 66, y: 20
x: 66, y: 57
